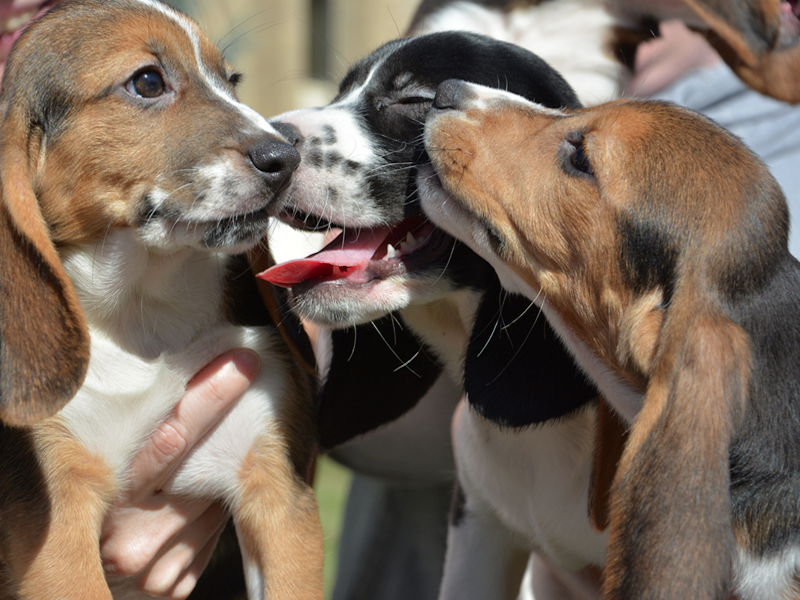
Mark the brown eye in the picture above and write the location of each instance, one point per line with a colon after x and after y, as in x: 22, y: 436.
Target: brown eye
x: 148, y: 84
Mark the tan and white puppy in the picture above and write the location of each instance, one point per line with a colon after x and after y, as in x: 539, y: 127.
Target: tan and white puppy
x: 656, y: 245
x: 132, y: 180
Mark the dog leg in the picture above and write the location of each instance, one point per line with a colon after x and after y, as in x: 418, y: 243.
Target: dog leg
x: 278, y: 527
x: 496, y: 569
x: 59, y: 556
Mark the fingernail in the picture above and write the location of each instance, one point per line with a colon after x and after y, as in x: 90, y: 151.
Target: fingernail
x: 247, y: 363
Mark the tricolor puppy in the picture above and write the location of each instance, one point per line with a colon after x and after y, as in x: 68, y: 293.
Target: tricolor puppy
x: 132, y: 179
x: 656, y: 245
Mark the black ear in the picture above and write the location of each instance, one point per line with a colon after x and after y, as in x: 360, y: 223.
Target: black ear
x: 517, y: 371
x: 378, y: 372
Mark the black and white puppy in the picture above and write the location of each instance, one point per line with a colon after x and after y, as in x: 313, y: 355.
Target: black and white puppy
x: 529, y: 406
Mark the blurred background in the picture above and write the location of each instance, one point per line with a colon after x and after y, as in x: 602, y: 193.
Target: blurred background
x: 292, y: 54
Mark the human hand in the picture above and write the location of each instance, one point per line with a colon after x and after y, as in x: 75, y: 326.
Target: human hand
x: 666, y: 58
x: 167, y: 541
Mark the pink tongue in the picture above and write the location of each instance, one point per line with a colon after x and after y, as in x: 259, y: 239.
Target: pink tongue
x: 350, y: 252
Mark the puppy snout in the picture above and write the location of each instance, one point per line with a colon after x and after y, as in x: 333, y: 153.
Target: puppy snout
x: 276, y: 161
x: 288, y: 131
x: 452, y: 94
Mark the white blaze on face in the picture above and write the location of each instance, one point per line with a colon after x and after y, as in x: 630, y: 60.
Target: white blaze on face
x: 194, y: 34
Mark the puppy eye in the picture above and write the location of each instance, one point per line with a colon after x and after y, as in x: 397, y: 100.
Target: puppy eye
x: 147, y: 84
x: 577, y: 155
x: 415, y: 100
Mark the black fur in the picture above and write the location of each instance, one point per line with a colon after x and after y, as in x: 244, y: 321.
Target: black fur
x: 765, y: 467
x: 392, y: 107
x: 517, y: 373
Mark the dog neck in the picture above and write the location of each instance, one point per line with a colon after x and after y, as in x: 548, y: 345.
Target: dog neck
x: 445, y: 325
x: 149, y: 303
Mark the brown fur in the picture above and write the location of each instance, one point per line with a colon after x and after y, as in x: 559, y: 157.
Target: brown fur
x: 749, y: 38
x: 641, y: 268
x: 75, y: 163
x: 285, y: 510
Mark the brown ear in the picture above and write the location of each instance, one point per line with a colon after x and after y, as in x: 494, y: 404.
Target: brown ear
x: 44, y: 341
x: 671, y: 532
x: 610, y: 438
x: 750, y: 45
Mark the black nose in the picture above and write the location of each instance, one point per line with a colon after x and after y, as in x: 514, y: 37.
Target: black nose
x: 276, y: 161
x: 288, y: 131
x: 451, y: 93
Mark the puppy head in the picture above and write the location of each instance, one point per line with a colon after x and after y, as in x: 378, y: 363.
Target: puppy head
x: 358, y: 174
x: 115, y: 113
x: 131, y: 120
x: 602, y: 213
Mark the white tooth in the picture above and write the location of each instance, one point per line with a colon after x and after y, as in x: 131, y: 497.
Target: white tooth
x: 390, y: 251
x: 412, y: 242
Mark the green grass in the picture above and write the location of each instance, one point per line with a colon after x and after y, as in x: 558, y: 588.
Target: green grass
x: 331, y: 484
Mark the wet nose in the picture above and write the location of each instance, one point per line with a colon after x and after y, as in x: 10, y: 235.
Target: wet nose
x: 451, y: 93
x: 288, y: 131
x: 275, y: 160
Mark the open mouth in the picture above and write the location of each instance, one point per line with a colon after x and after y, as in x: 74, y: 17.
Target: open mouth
x: 361, y: 256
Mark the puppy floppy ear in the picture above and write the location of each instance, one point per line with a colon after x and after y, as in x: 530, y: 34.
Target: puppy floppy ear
x: 44, y: 341
x: 671, y: 522
x: 750, y: 45
x: 517, y: 371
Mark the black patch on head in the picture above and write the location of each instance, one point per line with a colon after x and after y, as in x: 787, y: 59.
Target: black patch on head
x: 648, y: 256
x: 353, y: 404
x: 517, y: 371
x: 392, y: 105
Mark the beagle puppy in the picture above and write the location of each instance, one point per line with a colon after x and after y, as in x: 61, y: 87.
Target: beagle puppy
x: 132, y: 181
x: 655, y: 244
x: 759, y: 39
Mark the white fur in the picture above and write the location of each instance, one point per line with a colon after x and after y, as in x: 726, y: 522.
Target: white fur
x: 149, y: 337
x: 312, y: 183
x: 526, y: 491
x: 767, y: 578
x: 536, y: 480
x: 571, y: 35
